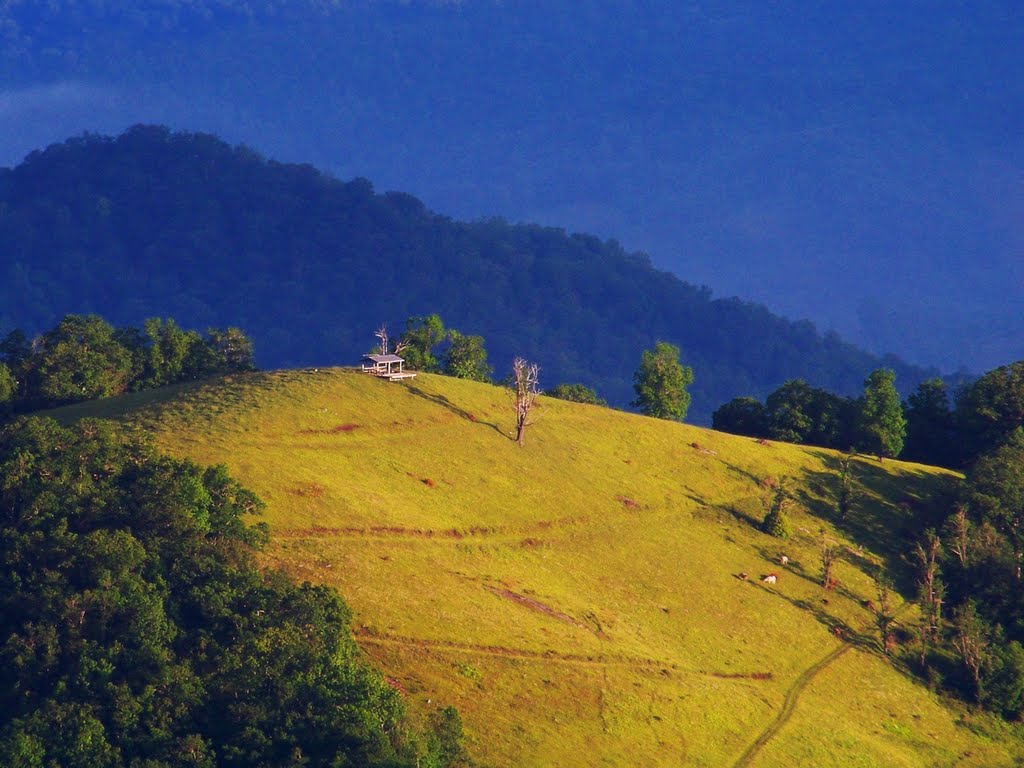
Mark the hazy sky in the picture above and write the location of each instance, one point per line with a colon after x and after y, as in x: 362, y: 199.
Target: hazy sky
x: 859, y: 164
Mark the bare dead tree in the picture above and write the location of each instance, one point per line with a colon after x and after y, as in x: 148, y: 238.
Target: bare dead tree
x: 400, y: 346
x: 525, y: 389
x: 959, y: 528
x: 829, y: 554
x: 930, y: 589
x: 970, y: 641
x: 885, y: 614
x: 846, y: 493
x: 382, y: 335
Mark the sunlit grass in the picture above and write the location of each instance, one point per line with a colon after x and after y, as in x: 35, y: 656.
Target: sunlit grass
x: 578, y: 598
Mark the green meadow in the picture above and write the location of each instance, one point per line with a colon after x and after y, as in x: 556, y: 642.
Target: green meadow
x: 580, y: 599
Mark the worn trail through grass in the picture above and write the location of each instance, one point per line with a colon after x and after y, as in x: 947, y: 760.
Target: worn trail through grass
x: 319, y: 533
x: 655, y: 665
x: 788, y: 705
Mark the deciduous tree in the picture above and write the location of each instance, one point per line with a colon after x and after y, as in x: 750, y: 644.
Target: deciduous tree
x: 996, y: 484
x: 796, y: 412
x: 8, y: 387
x: 467, y: 358
x: 970, y: 639
x: 881, y: 423
x: 575, y: 393
x: 80, y: 359
x: 991, y: 408
x: 930, y: 429
x: 166, y: 353
x: 660, y: 383
x: 885, y: 613
x: 931, y: 591
x: 846, y: 490
x: 422, y: 335
x: 139, y: 631
x: 958, y: 530
x: 829, y: 555
x: 741, y: 416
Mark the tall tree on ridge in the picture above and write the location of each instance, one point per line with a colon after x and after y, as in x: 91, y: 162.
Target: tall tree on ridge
x: 422, y: 335
x: 660, y: 383
x: 882, y: 425
x: 467, y: 358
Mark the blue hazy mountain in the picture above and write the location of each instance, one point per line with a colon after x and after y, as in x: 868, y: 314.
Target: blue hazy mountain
x: 154, y: 223
x: 856, y: 164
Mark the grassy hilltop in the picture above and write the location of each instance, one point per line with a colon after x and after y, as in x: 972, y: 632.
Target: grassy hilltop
x: 578, y: 598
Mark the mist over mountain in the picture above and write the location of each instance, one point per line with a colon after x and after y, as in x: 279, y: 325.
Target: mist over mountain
x: 859, y: 165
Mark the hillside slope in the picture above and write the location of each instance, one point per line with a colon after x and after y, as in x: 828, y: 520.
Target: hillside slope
x: 154, y: 223
x: 579, y: 598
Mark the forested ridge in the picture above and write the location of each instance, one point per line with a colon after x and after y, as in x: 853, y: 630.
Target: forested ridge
x: 156, y: 223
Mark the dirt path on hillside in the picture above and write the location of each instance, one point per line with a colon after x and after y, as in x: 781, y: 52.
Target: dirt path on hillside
x: 788, y: 705
x: 536, y: 605
x: 453, y: 534
x: 665, y: 668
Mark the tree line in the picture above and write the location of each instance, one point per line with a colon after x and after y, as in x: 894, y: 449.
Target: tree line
x: 968, y: 575
x: 84, y: 357
x: 965, y: 549
x: 799, y: 413
x: 139, y: 630
x: 929, y: 427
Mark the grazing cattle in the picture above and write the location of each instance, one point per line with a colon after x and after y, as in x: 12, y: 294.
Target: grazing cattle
x: 743, y: 576
x: 784, y: 560
x: 771, y: 578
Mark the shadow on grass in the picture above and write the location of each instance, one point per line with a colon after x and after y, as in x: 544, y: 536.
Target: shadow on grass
x: 448, y: 405
x: 738, y: 470
x: 809, y: 572
x: 888, y: 515
x: 836, y: 626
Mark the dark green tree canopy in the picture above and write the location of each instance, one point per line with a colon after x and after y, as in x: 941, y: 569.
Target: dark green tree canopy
x: 660, y: 383
x: 138, y: 631
x: 799, y: 413
x: 931, y: 431
x: 996, y: 485
x: 467, y: 358
x: 85, y: 358
x: 422, y: 335
x: 8, y: 387
x: 80, y: 359
x: 991, y: 408
x: 575, y: 393
x: 741, y: 416
x: 882, y: 426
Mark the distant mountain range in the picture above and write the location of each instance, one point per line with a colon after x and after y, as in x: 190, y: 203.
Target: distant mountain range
x: 157, y: 223
x: 854, y: 163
